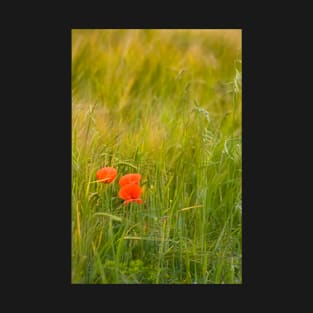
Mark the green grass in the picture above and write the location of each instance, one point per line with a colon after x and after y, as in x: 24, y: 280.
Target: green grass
x: 165, y: 104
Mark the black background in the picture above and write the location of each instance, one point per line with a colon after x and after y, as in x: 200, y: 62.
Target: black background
x: 37, y: 140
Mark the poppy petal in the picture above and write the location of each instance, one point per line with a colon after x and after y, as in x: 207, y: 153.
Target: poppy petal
x: 124, y: 194
x: 134, y: 190
x: 106, y: 174
x: 130, y: 192
x: 130, y: 179
x: 133, y: 200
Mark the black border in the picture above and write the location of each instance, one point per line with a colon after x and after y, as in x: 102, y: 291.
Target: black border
x: 36, y: 54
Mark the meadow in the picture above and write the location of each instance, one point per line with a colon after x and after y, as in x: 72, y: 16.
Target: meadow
x: 165, y: 104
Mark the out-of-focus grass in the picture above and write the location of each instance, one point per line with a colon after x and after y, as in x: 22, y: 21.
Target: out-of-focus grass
x: 166, y: 104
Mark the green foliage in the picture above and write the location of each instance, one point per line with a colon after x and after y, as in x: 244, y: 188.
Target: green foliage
x: 165, y: 104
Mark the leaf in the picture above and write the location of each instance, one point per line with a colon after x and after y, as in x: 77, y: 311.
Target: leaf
x: 113, y: 217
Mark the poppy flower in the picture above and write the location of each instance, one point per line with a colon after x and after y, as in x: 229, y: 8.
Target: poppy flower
x: 130, y: 179
x: 106, y: 174
x: 130, y: 193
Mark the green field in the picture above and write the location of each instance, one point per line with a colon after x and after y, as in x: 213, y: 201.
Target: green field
x: 165, y: 104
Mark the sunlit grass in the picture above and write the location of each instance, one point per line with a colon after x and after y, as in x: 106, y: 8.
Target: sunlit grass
x: 165, y: 104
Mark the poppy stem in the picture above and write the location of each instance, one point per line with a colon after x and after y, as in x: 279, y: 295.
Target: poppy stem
x: 98, y: 181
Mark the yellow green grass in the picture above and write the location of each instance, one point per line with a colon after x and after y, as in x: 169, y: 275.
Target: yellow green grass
x: 165, y: 104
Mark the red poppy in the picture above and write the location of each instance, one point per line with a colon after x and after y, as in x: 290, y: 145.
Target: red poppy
x: 130, y: 179
x: 130, y: 193
x: 106, y: 175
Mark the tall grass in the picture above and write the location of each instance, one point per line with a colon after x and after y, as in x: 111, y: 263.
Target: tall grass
x: 165, y: 104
